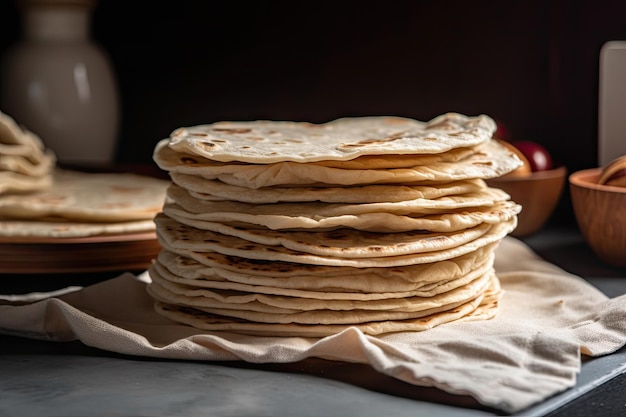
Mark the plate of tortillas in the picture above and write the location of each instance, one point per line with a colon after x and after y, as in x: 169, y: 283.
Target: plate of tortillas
x: 58, y: 220
x: 280, y: 228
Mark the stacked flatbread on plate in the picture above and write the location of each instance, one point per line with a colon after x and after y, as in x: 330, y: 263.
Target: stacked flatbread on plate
x: 25, y: 163
x: 81, y: 204
x: 40, y: 200
x: 55, y: 220
x: 296, y: 229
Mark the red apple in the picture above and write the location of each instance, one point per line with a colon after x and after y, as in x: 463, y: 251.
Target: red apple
x: 538, y: 156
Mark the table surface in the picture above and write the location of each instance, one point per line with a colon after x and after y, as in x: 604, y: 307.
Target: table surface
x: 70, y: 379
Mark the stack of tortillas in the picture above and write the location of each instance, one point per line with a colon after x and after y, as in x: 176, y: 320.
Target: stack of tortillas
x: 45, y: 209
x: 289, y: 228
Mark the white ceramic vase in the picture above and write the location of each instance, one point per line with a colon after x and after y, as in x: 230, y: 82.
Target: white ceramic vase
x: 59, y: 84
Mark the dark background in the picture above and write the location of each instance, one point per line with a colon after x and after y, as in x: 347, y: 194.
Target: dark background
x: 532, y: 65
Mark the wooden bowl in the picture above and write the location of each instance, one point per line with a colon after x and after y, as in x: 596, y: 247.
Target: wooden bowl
x: 538, y: 193
x: 600, y: 212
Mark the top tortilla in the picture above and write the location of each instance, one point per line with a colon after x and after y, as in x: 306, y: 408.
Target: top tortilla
x: 264, y: 141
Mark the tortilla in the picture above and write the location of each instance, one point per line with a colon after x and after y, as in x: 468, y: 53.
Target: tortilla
x: 490, y: 160
x: 371, y: 287
x: 212, y: 190
x: 196, y: 265
x: 89, y: 197
x: 213, y: 322
x: 445, y: 214
x: 25, y: 164
x: 39, y: 229
x: 279, y: 309
x: 263, y: 142
x: 174, y: 235
x: 15, y: 182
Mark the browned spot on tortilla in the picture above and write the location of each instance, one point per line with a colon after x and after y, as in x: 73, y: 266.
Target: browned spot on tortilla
x: 231, y: 130
x: 188, y: 160
x: 369, y: 142
x: 373, y: 249
x: 186, y: 261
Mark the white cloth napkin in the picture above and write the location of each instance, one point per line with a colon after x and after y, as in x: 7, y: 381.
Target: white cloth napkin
x: 530, y: 351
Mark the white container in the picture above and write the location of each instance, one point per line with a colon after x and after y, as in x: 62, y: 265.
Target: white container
x: 612, y: 102
x: 60, y: 85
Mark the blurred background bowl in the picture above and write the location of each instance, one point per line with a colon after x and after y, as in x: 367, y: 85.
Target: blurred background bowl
x: 538, y: 193
x: 600, y: 212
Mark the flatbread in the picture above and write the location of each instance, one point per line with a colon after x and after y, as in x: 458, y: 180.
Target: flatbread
x: 339, y: 243
x: 12, y: 134
x: 445, y: 214
x: 89, y: 197
x: 15, y: 182
x: 39, y: 229
x: 280, y: 309
x: 264, y: 142
x: 341, y: 287
x: 174, y: 235
x: 369, y: 222
x: 490, y: 160
x: 354, y: 242
x: 25, y: 164
x: 485, y: 306
x: 196, y: 265
x: 212, y: 190
x: 362, y: 162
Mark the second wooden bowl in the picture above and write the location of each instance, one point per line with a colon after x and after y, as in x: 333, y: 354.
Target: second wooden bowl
x: 600, y: 211
x: 538, y: 193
